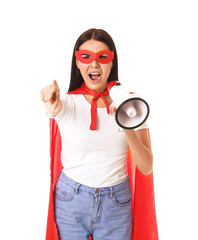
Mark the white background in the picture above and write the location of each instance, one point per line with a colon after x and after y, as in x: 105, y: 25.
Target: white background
x: 157, y: 44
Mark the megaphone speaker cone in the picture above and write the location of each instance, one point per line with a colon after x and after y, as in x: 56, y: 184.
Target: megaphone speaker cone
x: 132, y: 113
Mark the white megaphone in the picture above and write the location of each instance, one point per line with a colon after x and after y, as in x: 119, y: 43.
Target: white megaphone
x: 132, y: 111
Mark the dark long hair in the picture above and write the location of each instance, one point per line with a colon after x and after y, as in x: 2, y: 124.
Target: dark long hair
x: 100, y: 35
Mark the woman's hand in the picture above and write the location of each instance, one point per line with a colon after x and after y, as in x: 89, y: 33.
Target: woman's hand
x: 50, y: 95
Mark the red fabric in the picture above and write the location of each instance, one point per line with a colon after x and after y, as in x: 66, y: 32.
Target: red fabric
x: 109, y: 55
x: 55, y: 167
x: 85, y: 90
x: 143, y: 204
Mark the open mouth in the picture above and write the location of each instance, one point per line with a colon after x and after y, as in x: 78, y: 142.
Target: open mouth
x: 95, y: 76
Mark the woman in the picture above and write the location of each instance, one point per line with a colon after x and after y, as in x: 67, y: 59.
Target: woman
x: 92, y: 194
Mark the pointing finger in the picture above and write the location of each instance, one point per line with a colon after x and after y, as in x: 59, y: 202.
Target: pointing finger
x: 54, y: 82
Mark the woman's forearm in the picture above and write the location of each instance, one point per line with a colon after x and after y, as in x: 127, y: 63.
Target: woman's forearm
x: 139, y: 145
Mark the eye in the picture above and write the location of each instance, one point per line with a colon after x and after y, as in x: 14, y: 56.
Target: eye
x: 104, y: 56
x: 85, y: 56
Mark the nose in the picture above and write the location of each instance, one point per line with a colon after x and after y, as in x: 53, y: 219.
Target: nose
x: 95, y: 63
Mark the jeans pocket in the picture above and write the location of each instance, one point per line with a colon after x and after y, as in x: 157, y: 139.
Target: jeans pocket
x: 64, y: 192
x: 122, y: 197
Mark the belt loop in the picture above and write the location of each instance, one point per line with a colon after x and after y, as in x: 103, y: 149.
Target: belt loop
x: 77, y: 188
x: 111, y: 192
x: 95, y: 196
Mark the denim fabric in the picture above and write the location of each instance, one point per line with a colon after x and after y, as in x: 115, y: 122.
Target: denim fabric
x: 103, y: 213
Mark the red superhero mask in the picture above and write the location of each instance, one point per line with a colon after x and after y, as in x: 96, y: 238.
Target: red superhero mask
x: 86, y: 56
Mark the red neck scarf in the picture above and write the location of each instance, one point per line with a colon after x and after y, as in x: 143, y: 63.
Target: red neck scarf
x: 83, y: 89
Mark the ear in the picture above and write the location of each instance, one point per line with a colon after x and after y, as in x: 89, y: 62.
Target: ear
x: 77, y: 63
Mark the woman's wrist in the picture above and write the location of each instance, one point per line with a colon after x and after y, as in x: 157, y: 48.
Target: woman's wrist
x: 53, y: 109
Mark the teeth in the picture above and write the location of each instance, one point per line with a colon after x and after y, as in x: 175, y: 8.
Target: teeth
x: 95, y: 73
x: 94, y: 76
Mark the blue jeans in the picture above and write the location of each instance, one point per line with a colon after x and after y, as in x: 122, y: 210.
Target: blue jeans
x: 103, y: 213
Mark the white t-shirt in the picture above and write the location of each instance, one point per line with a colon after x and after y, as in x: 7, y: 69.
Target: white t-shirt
x: 95, y: 158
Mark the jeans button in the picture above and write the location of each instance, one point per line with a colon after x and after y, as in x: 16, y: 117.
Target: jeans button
x: 96, y: 191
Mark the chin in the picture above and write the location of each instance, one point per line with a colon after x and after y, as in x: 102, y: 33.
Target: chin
x: 96, y: 85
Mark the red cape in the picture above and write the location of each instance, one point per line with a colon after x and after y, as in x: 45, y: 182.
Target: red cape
x: 143, y: 204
